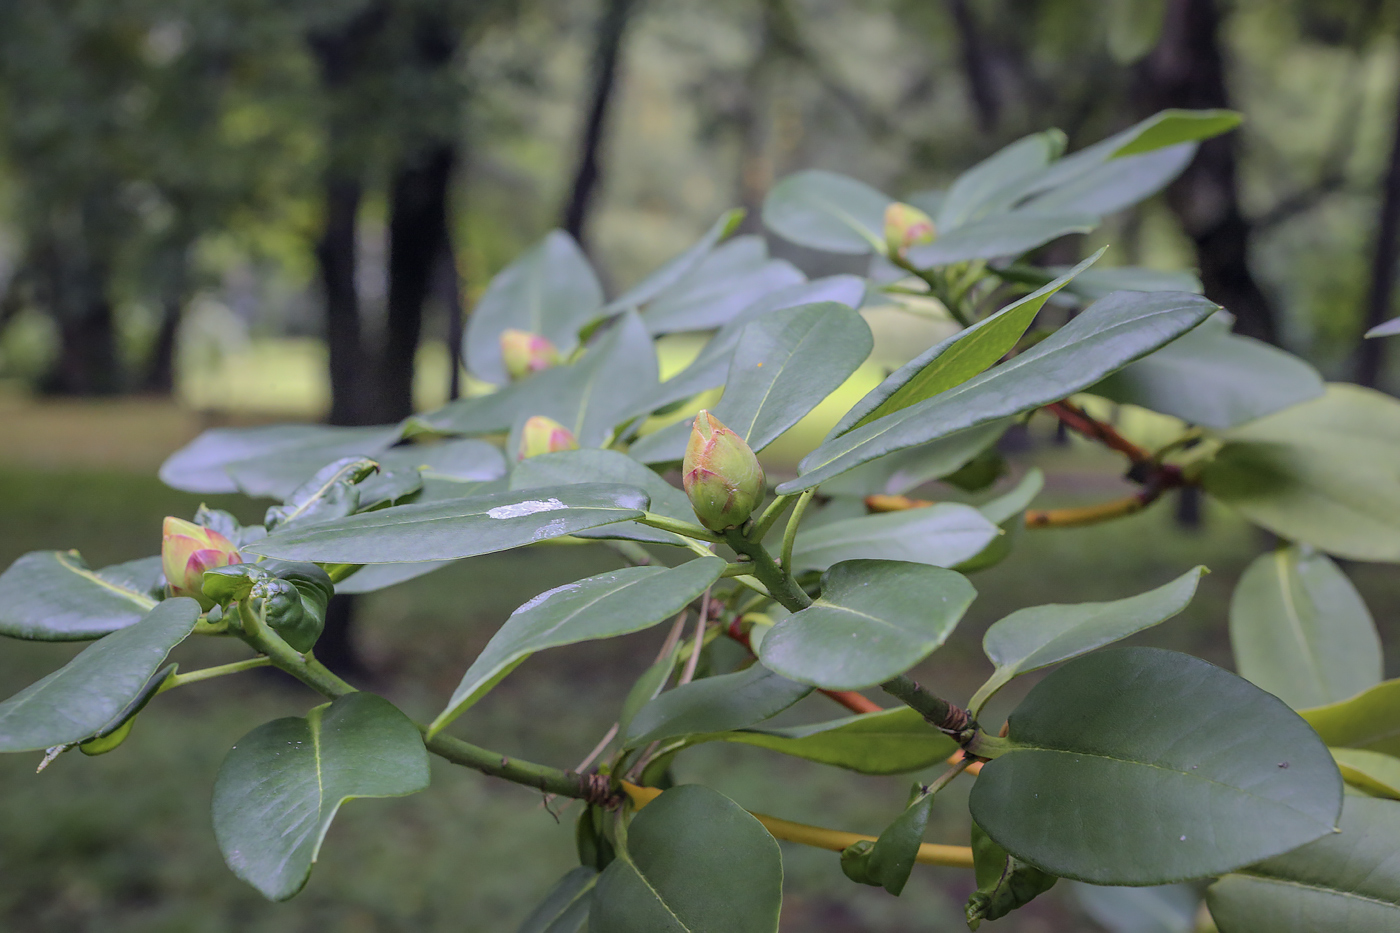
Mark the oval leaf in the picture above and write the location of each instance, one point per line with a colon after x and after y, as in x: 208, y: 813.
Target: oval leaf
x: 875, y: 619
x: 1030, y: 639
x: 77, y: 700
x: 894, y: 741
x: 1300, y: 630
x: 591, y: 465
x: 1109, y: 334
x: 270, y: 461
x: 456, y: 528
x: 693, y: 862
x: 1144, y: 766
x: 730, y: 279
x: 714, y: 704
x: 565, y: 908
x: 1370, y: 720
x: 1373, y: 772
x: 1343, y: 883
x: 54, y: 596
x: 281, y: 785
x: 941, y: 535
x: 604, y: 606
x: 827, y: 211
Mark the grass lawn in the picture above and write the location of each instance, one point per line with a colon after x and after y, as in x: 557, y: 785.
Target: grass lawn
x: 123, y: 842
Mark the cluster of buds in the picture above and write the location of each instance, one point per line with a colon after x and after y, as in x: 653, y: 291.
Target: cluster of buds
x: 721, y: 475
x: 906, y: 226
x: 525, y: 353
x: 186, y: 551
x: 543, y: 435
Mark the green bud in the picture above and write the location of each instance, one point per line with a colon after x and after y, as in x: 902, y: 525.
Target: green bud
x: 525, y: 353
x: 721, y: 475
x: 543, y: 435
x: 906, y: 226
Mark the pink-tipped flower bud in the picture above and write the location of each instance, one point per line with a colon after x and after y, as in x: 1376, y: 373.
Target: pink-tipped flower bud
x: 721, y: 475
x: 543, y: 435
x: 906, y: 226
x: 526, y: 353
x: 186, y: 551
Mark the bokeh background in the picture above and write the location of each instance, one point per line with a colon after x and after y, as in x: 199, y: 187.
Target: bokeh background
x: 195, y: 193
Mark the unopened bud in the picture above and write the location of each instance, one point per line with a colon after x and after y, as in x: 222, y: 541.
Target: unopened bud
x: 543, y: 435
x: 906, y: 226
x: 721, y: 475
x: 526, y: 353
x: 186, y: 551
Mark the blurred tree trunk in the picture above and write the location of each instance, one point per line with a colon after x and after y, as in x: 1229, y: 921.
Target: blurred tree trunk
x: 1371, y: 355
x: 606, y: 53
x: 450, y: 282
x: 75, y: 292
x: 417, y: 238
x: 1187, y: 69
x: 159, y: 375
x: 977, y: 67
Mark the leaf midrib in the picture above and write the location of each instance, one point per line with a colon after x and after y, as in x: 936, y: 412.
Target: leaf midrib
x: 145, y: 602
x: 1326, y: 889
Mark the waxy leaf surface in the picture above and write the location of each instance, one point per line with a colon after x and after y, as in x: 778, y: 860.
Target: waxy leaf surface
x: 54, y: 596
x: 591, y: 465
x: 894, y: 741
x: 875, y: 619
x: 268, y: 461
x: 1369, y: 720
x: 1300, y: 630
x: 281, y: 785
x: 729, y: 280
x: 456, y: 528
x: 77, y: 700
x: 1107, y: 335
x: 824, y: 210
x: 565, y: 908
x: 941, y: 535
x: 685, y: 846
x: 1033, y: 638
x: 715, y: 704
x: 1143, y: 766
x: 602, y: 606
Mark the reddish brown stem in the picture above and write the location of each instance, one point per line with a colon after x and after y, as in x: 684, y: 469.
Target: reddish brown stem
x: 855, y: 702
x: 1077, y: 419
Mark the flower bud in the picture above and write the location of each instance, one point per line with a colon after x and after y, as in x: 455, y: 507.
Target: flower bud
x: 186, y: 551
x: 906, y: 226
x: 722, y: 476
x: 526, y: 353
x: 543, y: 435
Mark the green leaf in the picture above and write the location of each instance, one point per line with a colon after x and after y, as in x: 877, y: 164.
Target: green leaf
x: 1300, y: 630
x: 1369, y: 720
x: 1376, y: 773
x: 1030, y: 639
x: 903, y: 470
x: 785, y: 364
x: 727, y: 282
x: 708, y: 369
x: 1166, y: 908
x: 281, y: 785
x: 1106, y: 336
x: 991, y: 185
x: 941, y: 535
x: 646, y: 688
x: 55, y: 596
x: 714, y: 704
x: 824, y: 210
x: 589, y: 397
x: 329, y: 494
x: 875, y: 619
x: 1008, y: 234
x: 1004, y: 882
x: 1008, y: 512
x: 602, y: 606
x: 457, y: 461
x: 1143, y: 766
x: 550, y: 290
x: 1343, y: 883
x: 891, y: 858
x: 1214, y: 378
x: 678, y: 267
x: 894, y: 741
x: 77, y: 700
x: 268, y: 461
x: 456, y: 528
x: 687, y: 845
x: 957, y: 359
x: 1170, y: 127
x: 1321, y: 472
x: 565, y: 908
x: 289, y: 596
x: 607, y: 466
x: 1116, y: 184
x: 375, y: 577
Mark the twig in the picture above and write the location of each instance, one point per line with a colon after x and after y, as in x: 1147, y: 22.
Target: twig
x: 694, y: 660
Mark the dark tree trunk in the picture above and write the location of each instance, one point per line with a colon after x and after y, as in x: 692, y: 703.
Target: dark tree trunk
x: 606, y: 54
x: 1187, y: 69
x: 336, y: 648
x: 450, y: 281
x: 336, y: 255
x: 1371, y: 357
x: 77, y: 298
x: 977, y: 67
x: 159, y: 375
x: 417, y: 238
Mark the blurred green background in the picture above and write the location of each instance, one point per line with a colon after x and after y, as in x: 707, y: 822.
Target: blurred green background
x: 180, y: 178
